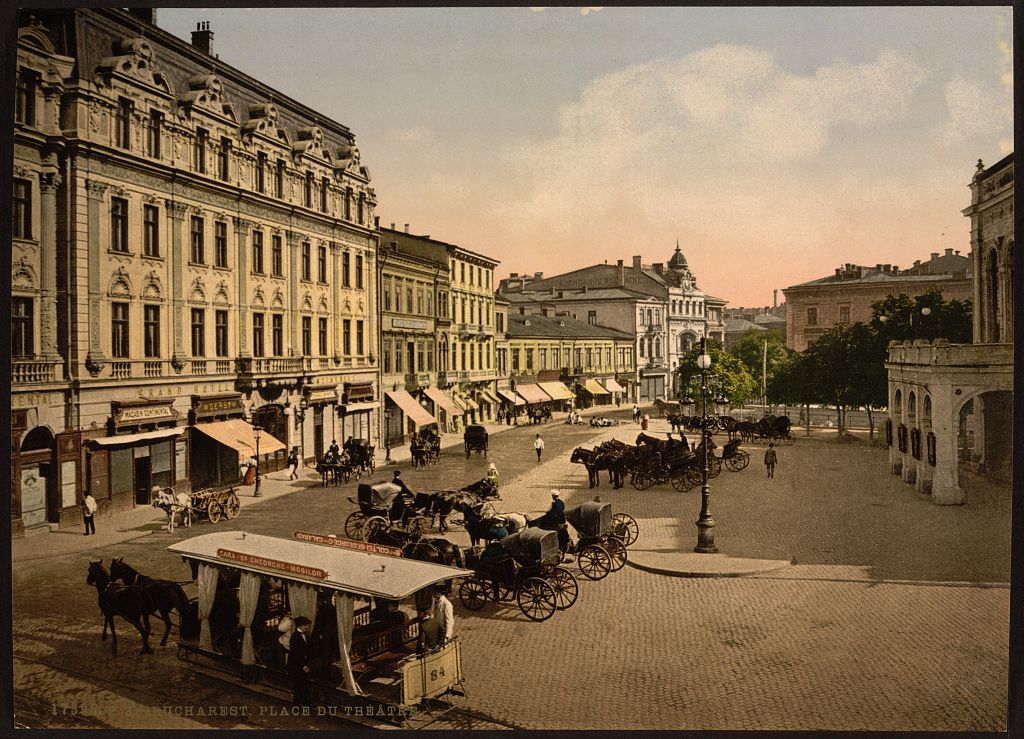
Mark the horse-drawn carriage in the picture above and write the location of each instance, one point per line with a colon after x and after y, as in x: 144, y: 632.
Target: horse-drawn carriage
x: 475, y: 439
x: 773, y: 429
x: 425, y: 447
x: 528, y: 572
x: 598, y: 548
x: 213, y: 504
x: 378, y: 509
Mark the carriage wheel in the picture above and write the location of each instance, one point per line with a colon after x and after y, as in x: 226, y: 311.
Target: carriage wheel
x: 679, y: 482
x: 625, y: 527
x: 473, y: 594
x: 418, y: 524
x: 232, y: 506
x: 354, y: 525
x: 213, y: 511
x: 594, y: 562
x: 566, y: 588
x: 372, y: 526
x: 739, y: 461
x: 789, y: 439
x: 616, y: 552
x: 642, y: 480
x: 537, y: 599
x: 714, y: 466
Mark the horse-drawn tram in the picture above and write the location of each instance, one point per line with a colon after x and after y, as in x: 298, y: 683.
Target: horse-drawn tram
x: 251, y: 587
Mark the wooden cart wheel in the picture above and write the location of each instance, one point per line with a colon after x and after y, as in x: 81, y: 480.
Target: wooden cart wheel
x: 213, y: 511
x: 354, y: 525
x: 473, y: 594
x: 418, y: 524
x: 537, y: 599
x: 789, y: 439
x: 374, y: 524
x: 567, y: 590
x: 594, y: 562
x: 616, y: 552
x: 714, y: 466
x: 232, y: 506
x: 739, y: 461
x: 626, y: 528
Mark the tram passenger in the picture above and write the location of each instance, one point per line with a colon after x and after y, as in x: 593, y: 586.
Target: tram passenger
x: 444, y: 613
x: 430, y: 633
x: 298, y: 655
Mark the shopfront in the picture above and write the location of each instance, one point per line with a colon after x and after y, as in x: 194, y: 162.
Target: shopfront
x: 415, y: 416
x: 317, y: 402
x: 445, y: 409
x: 221, y: 448
x: 356, y: 411
x: 211, y: 463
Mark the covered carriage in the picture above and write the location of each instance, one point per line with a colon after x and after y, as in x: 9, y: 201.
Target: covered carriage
x: 475, y: 439
x: 377, y: 510
x: 599, y: 550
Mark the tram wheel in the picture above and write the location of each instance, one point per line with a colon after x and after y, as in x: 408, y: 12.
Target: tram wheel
x: 537, y: 599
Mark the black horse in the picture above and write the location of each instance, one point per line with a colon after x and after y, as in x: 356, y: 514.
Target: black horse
x: 160, y: 596
x: 414, y: 546
x: 129, y: 603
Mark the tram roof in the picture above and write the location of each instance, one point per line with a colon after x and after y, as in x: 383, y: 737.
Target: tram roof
x: 355, y: 572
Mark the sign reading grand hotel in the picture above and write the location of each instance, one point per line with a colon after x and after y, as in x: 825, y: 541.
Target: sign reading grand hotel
x: 359, y: 546
x: 272, y: 564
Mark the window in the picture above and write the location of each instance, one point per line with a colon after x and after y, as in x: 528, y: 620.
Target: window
x: 25, y: 99
x: 359, y: 271
x: 22, y: 196
x: 386, y: 356
x: 306, y: 260
x: 420, y: 363
x: 462, y: 356
x: 224, y: 158
x: 119, y: 224
x: 844, y: 314
x: 154, y: 133
x: 472, y: 358
x: 324, y: 190
x: 220, y: 243
x: 408, y: 299
x: 322, y: 326
x: 641, y: 347
x: 257, y: 334
x: 307, y: 190
x: 812, y: 316
x: 590, y: 358
x: 472, y: 310
x: 607, y: 357
x: 348, y: 204
x: 198, y: 255
x: 471, y: 275
x: 592, y: 317
x: 359, y: 338
x: 307, y: 336
x: 463, y: 273
x: 257, y: 252
x: 276, y: 256
x: 430, y: 302
x: 199, y: 150
x: 499, y: 319
x: 463, y: 310
x: 387, y: 293
x: 543, y: 359
x: 359, y: 212
x: 419, y: 300
x: 515, y: 361
x: 123, y: 124
x: 398, y: 356
x: 119, y: 330
x: 529, y: 360
x: 221, y: 332
x: 346, y: 268
x: 151, y: 330
x: 198, y: 332
x: 321, y: 263
x: 279, y: 179
x: 346, y: 337
x: 22, y: 329
x: 261, y: 172
x: 442, y: 302
x: 277, y: 334
x: 150, y: 230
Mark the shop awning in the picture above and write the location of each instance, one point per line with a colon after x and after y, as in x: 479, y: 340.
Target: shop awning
x: 612, y: 386
x: 413, y: 410
x: 441, y: 398
x: 511, y: 397
x: 593, y: 387
x: 488, y: 396
x: 532, y: 393
x: 466, y: 403
x: 237, y: 434
x: 358, y: 407
x: 556, y: 390
x: 136, y: 438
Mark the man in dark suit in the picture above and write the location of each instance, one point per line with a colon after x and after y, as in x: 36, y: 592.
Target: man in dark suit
x: 430, y: 633
x: 298, y: 659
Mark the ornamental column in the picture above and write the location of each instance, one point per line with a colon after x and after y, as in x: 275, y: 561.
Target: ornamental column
x: 48, y: 184
x: 335, y: 299
x: 95, y: 359
x: 178, y: 257
x: 293, y: 289
x: 242, y: 226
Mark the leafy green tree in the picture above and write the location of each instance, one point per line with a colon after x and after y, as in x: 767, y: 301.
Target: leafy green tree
x: 904, y: 319
x: 796, y: 382
x: 751, y: 351
x: 727, y: 375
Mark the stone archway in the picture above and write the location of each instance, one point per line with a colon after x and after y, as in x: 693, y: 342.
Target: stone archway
x: 996, y: 442
x: 925, y: 465
x: 38, y: 482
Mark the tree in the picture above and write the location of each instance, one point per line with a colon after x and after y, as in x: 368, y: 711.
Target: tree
x: 844, y: 369
x: 947, y: 319
x: 727, y: 374
x: 751, y: 351
x: 796, y: 382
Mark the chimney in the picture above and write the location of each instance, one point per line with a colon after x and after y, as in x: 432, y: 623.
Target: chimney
x: 935, y: 255
x: 538, y: 275
x: 949, y: 252
x: 202, y: 37
x: 917, y: 262
x: 636, y: 262
x: 775, y: 298
x: 511, y: 274
x: 839, y: 272
x: 958, y: 252
x: 407, y: 228
x: 621, y: 274
x: 392, y: 225
x: 658, y: 267
x: 145, y: 14
x: 878, y: 267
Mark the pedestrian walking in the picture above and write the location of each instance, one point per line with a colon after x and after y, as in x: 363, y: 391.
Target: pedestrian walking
x: 89, y: 514
x: 293, y: 464
x: 444, y: 614
x: 538, y: 445
x: 770, y: 460
x: 298, y: 661
x: 636, y: 414
x: 645, y: 422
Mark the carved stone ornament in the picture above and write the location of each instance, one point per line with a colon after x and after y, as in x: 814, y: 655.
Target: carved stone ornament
x: 120, y: 285
x: 94, y: 365
x: 205, y: 91
x: 152, y: 290
x: 177, y: 363
x: 49, y: 181
x: 277, y: 301
x: 96, y: 189
x: 307, y: 303
x: 133, y: 58
x: 221, y: 297
x: 23, y: 275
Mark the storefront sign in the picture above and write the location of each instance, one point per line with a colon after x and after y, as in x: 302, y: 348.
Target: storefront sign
x: 272, y: 564
x: 359, y: 392
x: 132, y: 415
x: 322, y: 396
x: 358, y: 546
x: 217, y: 405
x: 410, y: 323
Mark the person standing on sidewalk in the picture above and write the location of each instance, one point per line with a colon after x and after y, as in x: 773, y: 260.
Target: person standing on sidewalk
x: 770, y: 459
x: 636, y: 414
x: 293, y: 464
x: 89, y: 514
x: 538, y: 445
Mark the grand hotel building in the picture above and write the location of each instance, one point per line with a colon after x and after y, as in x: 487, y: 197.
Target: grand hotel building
x: 192, y: 255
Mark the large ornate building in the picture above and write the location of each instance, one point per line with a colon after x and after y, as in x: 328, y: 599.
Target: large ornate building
x: 193, y: 255
x: 952, y: 404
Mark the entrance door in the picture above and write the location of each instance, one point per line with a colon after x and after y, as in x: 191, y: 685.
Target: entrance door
x: 142, y: 486
x: 33, y: 497
x: 318, y: 431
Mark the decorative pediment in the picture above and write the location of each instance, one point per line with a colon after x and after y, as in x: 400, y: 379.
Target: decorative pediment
x: 264, y: 119
x: 258, y: 301
x: 34, y: 34
x: 198, y: 294
x: 322, y: 306
x: 206, y: 91
x: 310, y: 141
x: 153, y: 289
x: 23, y: 276
x: 307, y: 303
x: 348, y: 161
x: 278, y: 299
x: 221, y: 296
x: 133, y: 57
x: 120, y: 284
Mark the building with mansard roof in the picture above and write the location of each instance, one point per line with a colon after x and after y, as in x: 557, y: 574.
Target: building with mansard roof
x: 193, y: 256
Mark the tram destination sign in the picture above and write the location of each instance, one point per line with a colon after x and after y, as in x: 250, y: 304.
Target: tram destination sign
x: 358, y: 546
x: 273, y: 564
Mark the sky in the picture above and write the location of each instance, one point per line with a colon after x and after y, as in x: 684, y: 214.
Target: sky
x: 774, y: 143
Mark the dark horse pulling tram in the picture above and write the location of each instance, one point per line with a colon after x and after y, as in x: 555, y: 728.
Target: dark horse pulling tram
x: 248, y: 584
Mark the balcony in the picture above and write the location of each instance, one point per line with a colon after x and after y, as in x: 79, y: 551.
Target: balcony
x: 416, y: 381
x: 29, y: 372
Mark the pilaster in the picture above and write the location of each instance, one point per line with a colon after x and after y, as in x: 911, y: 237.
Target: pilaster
x: 49, y: 182
x: 95, y: 358
x: 242, y: 226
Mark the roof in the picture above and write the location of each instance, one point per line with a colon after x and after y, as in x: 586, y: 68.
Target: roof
x: 575, y: 294
x: 560, y: 327
x: 870, y: 275
x: 741, y: 325
x: 713, y: 299
x: 360, y: 573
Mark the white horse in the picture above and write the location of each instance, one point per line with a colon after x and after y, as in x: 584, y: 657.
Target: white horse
x: 172, y: 504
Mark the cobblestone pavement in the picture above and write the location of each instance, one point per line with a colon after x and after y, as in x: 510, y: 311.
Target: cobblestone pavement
x: 894, y: 617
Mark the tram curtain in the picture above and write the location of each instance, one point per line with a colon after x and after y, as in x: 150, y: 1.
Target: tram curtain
x: 248, y: 597
x: 302, y: 600
x: 345, y: 607
x: 206, y: 579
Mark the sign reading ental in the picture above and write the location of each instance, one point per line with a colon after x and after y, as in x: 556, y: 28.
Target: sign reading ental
x: 359, y: 546
x: 273, y: 564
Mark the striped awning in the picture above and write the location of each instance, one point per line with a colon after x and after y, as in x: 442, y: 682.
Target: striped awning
x: 556, y: 390
x: 511, y: 397
x: 441, y: 398
x: 413, y: 410
x: 489, y: 397
x: 532, y: 393
x: 238, y: 435
x: 594, y: 388
x: 468, y: 403
x: 612, y: 386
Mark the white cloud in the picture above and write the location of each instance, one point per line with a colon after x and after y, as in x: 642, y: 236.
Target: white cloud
x: 974, y: 109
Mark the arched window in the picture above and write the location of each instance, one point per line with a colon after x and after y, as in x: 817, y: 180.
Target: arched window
x: 912, y: 408
x: 992, y: 280
x: 926, y: 412
x: 897, y: 403
x: 657, y: 347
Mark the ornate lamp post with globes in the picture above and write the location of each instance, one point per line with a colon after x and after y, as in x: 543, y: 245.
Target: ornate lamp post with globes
x: 705, y: 523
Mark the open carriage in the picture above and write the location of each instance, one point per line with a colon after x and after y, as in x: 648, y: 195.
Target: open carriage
x: 527, y: 572
x: 249, y: 584
x: 215, y: 504
x: 377, y: 510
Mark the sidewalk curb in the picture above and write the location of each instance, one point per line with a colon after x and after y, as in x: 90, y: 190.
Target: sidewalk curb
x: 734, y: 559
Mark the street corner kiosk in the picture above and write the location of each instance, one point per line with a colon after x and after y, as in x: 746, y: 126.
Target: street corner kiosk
x: 250, y: 584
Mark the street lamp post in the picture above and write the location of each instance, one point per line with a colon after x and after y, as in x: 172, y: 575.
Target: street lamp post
x: 926, y: 311
x: 705, y: 523
x: 387, y: 436
x: 256, y: 435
